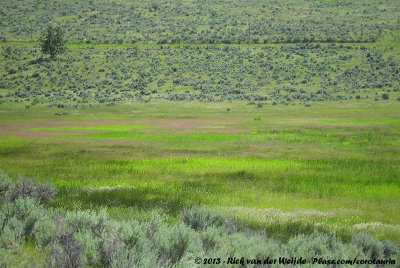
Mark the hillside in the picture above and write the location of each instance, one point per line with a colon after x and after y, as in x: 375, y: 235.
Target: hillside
x: 344, y: 50
x: 204, y: 21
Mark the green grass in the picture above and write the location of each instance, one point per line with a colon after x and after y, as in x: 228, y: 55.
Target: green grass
x: 325, y: 167
x: 362, y: 121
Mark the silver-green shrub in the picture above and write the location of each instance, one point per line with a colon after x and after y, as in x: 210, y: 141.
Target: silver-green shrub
x: 389, y: 248
x: 210, y: 237
x: 44, y: 231
x: 173, y: 242
x: 91, y: 247
x: 110, y: 245
x: 370, y: 246
x: 133, y: 235
x: 88, y: 238
x: 6, y: 186
x: 12, y: 234
x: 201, y: 218
x: 65, y: 251
x: 16, y: 217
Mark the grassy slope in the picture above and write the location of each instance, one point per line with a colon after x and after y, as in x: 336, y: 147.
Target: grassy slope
x: 199, y: 21
x: 328, y: 165
x: 249, y: 69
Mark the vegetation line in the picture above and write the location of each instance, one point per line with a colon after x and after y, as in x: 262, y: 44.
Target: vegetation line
x: 195, y: 43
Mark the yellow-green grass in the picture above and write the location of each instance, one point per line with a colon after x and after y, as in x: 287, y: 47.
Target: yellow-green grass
x: 285, y: 168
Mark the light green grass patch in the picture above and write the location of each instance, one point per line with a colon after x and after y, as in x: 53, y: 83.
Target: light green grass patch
x: 305, y: 135
x: 362, y: 121
x: 200, y: 165
x: 10, y: 141
x: 171, y: 137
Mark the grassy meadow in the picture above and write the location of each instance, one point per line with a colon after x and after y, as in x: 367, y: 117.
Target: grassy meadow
x: 288, y: 169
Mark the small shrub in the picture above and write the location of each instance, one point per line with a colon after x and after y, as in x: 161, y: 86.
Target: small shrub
x: 133, y: 235
x: 109, y: 248
x: 26, y: 210
x: 44, y: 232
x: 6, y: 186
x: 209, y: 238
x: 91, y: 247
x: 173, y: 243
x: 250, y: 245
x: 12, y: 234
x: 65, y: 252
x: 101, y: 222
x: 389, y: 248
x: 201, y: 218
x: 61, y: 113
x: 125, y: 258
x: 79, y: 221
x: 28, y: 187
x: 370, y: 246
x: 155, y: 223
x: 304, y: 245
